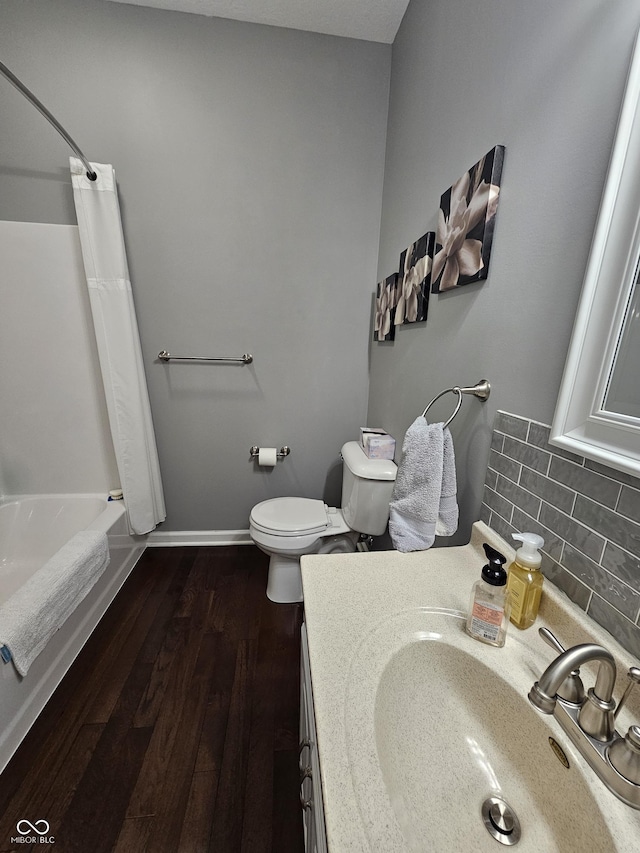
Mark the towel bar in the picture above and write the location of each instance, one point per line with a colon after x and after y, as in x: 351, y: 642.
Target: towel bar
x: 481, y: 390
x: 163, y: 355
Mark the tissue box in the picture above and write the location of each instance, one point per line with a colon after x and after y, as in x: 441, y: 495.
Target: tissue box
x: 377, y: 443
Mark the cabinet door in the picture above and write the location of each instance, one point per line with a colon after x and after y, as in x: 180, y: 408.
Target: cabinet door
x: 304, y: 763
x: 311, y: 784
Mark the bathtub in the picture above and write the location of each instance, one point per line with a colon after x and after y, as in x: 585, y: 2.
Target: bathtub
x: 32, y: 530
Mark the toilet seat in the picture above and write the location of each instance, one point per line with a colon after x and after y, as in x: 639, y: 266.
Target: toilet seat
x: 288, y: 517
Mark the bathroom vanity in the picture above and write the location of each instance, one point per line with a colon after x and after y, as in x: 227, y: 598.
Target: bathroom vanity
x: 419, y: 738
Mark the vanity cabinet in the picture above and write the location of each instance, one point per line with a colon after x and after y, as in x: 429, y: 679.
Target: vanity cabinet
x: 315, y: 840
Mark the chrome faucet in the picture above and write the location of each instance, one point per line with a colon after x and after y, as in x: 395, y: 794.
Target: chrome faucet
x: 596, y: 711
x: 590, y: 720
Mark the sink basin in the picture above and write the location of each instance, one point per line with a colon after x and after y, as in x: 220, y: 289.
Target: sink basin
x: 437, y: 723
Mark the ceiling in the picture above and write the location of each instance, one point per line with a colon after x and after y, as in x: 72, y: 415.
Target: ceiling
x: 371, y: 20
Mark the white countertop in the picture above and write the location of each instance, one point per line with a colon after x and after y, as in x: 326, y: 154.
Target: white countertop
x: 347, y: 595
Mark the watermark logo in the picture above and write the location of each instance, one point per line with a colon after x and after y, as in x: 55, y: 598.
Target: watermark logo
x: 33, y: 833
x: 24, y: 827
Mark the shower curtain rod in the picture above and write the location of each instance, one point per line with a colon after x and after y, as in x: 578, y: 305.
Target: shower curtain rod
x: 51, y: 119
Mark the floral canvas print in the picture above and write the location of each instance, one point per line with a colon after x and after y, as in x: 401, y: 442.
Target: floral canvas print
x: 414, y: 280
x: 466, y: 221
x: 387, y: 294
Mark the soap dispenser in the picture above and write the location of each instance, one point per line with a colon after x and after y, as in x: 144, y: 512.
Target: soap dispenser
x: 489, y: 607
x: 525, y: 580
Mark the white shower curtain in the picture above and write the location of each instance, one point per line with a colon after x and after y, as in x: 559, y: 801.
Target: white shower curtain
x: 114, y: 320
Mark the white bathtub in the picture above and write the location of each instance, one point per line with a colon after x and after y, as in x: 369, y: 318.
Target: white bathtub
x: 33, y: 529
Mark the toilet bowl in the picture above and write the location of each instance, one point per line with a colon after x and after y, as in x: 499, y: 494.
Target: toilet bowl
x: 288, y: 528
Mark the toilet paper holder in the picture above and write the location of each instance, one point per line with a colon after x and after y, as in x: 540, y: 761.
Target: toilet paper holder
x: 284, y: 451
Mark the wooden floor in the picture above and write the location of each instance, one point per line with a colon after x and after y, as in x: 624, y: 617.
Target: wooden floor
x: 176, y: 729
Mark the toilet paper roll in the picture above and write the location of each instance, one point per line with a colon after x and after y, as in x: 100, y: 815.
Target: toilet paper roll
x: 267, y: 456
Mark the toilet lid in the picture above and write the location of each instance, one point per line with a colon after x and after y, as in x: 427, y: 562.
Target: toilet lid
x: 290, y: 516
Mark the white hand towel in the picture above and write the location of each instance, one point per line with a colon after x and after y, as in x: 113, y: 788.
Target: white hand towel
x: 37, y: 610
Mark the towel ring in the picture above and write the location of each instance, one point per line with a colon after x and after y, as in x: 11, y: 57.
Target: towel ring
x: 481, y: 390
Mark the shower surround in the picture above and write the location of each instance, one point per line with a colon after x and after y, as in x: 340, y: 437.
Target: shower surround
x: 53, y: 418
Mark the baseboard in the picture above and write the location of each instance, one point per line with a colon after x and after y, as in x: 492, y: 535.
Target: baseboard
x: 176, y: 538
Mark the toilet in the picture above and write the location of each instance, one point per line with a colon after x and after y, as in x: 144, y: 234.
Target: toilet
x: 288, y: 528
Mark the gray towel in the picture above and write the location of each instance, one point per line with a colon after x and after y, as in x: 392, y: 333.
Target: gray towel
x: 38, y: 609
x: 424, y: 496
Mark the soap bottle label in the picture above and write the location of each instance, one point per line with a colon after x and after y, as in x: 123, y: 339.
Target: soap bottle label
x: 486, y: 620
x: 518, y: 591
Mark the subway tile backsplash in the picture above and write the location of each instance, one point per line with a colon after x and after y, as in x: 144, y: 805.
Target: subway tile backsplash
x: 588, y: 514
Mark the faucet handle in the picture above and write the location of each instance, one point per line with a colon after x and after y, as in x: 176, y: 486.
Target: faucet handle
x: 634, y: 678
x: 551, y: 640
x: 571, y: 689
x: 624, y: 754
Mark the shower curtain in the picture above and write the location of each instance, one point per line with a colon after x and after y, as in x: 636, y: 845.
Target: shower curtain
x: 119, y: 351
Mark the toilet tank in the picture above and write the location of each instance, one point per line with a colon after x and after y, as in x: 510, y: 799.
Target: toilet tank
x: 367, y: 486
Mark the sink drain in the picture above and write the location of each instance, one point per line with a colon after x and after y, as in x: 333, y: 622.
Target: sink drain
x: 501, y: 821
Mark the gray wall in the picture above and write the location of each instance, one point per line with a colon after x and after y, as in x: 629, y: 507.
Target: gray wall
x: 546, y: 80
x: 250, y: 164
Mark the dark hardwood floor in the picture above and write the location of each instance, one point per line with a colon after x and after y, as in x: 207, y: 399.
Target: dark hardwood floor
x: 176, y: 729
